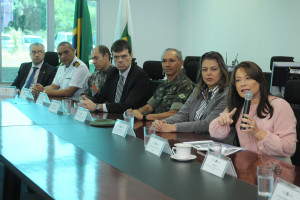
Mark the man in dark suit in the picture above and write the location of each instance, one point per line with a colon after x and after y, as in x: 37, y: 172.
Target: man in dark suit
x: 126, y: 86
x: 36, y: 71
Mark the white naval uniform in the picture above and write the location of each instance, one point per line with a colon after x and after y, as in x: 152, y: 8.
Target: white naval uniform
x: 72, y: 76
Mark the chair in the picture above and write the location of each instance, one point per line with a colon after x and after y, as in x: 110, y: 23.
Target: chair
x: 192, y: 70
x: 292, y: 95
x: 280, y: 75
x: 155, y: 72
x: 189, y: 59
x: 52, y: 58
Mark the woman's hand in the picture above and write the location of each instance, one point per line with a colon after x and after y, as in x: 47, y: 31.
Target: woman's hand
x: 162, y: 126
x: 226, y: 118
x: 251, y: 127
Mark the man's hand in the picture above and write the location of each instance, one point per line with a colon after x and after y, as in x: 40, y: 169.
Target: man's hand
x: 37, y: 88
x: 87, y: 103
x: 137, y: 114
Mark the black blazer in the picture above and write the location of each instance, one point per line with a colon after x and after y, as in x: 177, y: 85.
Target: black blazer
x: 46, y: 75
x: 136, y: 90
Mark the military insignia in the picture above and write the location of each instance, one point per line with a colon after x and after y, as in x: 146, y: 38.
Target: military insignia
x: 182, y: 96
x: 76, y: 64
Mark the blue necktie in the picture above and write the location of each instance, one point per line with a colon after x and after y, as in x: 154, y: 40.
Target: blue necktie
x: 30, y: 78
x: 119, y: 89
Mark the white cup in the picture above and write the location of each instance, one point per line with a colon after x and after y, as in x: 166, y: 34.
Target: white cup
x: 182, y: 150
x: 148, y: 131
x: 215, y: 148
x: 66, y: 106
x: 129, y: 117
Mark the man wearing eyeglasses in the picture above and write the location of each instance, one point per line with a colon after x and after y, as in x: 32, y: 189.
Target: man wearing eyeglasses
x: 126, y: 86
x: 37, y: 71
x: 101, y: 59
x: 70, y: 79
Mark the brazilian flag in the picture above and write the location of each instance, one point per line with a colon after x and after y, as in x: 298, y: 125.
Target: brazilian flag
x: 82, y: 32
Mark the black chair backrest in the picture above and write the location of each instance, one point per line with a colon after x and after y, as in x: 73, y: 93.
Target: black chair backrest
x: 189, y: 59
x: 52, y: 58
x: 192, y: 70
x: 292, y: 95
x: 280, y: 75
x: 154, y: 69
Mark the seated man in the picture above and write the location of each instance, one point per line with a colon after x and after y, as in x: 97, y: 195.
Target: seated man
x: 70, y: 79
x: 171, y: 94
x: 37, y: 71
x: 101, y: 59
x: 126, y: 86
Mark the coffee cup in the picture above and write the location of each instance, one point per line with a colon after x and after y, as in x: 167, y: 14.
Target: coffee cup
x: 182, y: 150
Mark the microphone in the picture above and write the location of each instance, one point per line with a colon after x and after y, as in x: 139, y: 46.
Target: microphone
x: 247, y: 103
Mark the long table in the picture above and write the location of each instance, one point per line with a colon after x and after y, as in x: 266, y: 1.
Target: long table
x: 61, y: 158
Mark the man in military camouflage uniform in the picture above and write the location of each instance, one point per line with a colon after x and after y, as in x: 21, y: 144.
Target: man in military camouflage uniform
x: 101, y: 59
x: 171, y: 93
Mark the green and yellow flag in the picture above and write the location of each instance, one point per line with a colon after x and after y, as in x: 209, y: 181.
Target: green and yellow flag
x: 82, y: 32
x: 124, y: 23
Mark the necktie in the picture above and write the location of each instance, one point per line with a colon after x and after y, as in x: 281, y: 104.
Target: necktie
x: 31, y: 77
x: 119, y: 89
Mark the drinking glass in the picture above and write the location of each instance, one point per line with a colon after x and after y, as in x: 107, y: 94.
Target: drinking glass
x: 265, y: 180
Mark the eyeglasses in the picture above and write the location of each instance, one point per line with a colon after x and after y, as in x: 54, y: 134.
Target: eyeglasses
x: 36, y: 52
x: 123, y: 57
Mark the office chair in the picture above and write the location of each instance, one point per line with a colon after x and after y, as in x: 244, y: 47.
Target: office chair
x: 292, y: 95
x: 155, y: 73
x: 52, y: 58
x: 189, y: 59
x: 192, y: 70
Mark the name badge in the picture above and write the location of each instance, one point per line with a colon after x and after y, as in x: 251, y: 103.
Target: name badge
x: 218, y: 165
x: 43, y: 99
x: 285, y: 190
x: 157, y: 145
x: 24, y: 93
x: 9, y: 91
x: 83, y: 114
x: 123, y: 128
x: 55, y: 106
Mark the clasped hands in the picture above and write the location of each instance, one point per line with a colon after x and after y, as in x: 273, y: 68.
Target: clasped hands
x: 162, y: 126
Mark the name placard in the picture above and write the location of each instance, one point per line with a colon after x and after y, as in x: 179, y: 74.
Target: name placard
x: 82, y: 115
x: 214, y: 165
x: 123, y: 128
x: 24, y: 93
x: 9, y: 91
x: 157, y: 145
x: 285, y: 190
x: 55, y: 106
x: 43, y: 99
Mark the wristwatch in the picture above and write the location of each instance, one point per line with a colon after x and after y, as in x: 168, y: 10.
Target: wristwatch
x: 97, y: 107
x: 144, y: 116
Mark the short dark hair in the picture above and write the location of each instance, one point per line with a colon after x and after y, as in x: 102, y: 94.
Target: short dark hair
x: 102, y: 49
x: 120, y: 45
x: 212, y: 55
x: 65, y: 44
x: 234, y: 100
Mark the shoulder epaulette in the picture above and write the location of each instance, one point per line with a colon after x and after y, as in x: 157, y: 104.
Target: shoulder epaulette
x: 76, y: 64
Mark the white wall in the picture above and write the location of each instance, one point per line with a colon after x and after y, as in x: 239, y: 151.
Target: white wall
x: 154, y: 27
x: 256, y: 29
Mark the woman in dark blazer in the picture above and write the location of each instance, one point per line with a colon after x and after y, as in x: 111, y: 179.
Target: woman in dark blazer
x: 206, y: 102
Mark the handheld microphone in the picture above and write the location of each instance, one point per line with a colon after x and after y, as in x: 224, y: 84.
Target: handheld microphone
x: 247, y: 103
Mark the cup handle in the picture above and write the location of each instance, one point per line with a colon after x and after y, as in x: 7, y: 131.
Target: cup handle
x: 174, y: 150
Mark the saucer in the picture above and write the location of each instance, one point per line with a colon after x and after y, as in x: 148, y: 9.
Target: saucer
x: 190, y: 157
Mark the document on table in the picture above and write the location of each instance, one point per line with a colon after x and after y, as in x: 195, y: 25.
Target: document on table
x: 203, y: 146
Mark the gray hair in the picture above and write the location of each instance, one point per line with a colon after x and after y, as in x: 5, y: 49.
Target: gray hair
x: 65, y: 44
x: 37, y: 44
x: 178, y: 53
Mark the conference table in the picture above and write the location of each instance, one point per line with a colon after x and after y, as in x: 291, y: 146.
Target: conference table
x: 61, y: 158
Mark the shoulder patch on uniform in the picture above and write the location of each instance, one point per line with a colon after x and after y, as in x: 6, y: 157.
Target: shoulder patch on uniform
x: 76, y: 64
x: 182, y: 96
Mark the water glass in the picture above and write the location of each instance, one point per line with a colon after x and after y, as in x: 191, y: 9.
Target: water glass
x: 129, y: 117
x: 265, y: 180
x: 76, y: 105
x: 148, y: 131
x: 215, y: 148
x: 66, y: 106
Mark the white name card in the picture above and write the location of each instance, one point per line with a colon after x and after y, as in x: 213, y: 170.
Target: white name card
x: 55, y: 106
x: 285, y: 190
x: 24, y: 93
x: 43, y: 99
x: 157, y: 145
x: 83, y: 114
x: 218, y: 165
x: 9, y: 91
x: 123, y: 128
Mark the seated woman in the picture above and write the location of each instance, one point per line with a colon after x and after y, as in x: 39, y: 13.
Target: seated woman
x: 205, y: 103
x: 270, y: 126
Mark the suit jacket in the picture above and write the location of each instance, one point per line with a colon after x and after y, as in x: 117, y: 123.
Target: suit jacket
x: 45, y: 77
x: 136, y: 90
x: 184, y: 119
